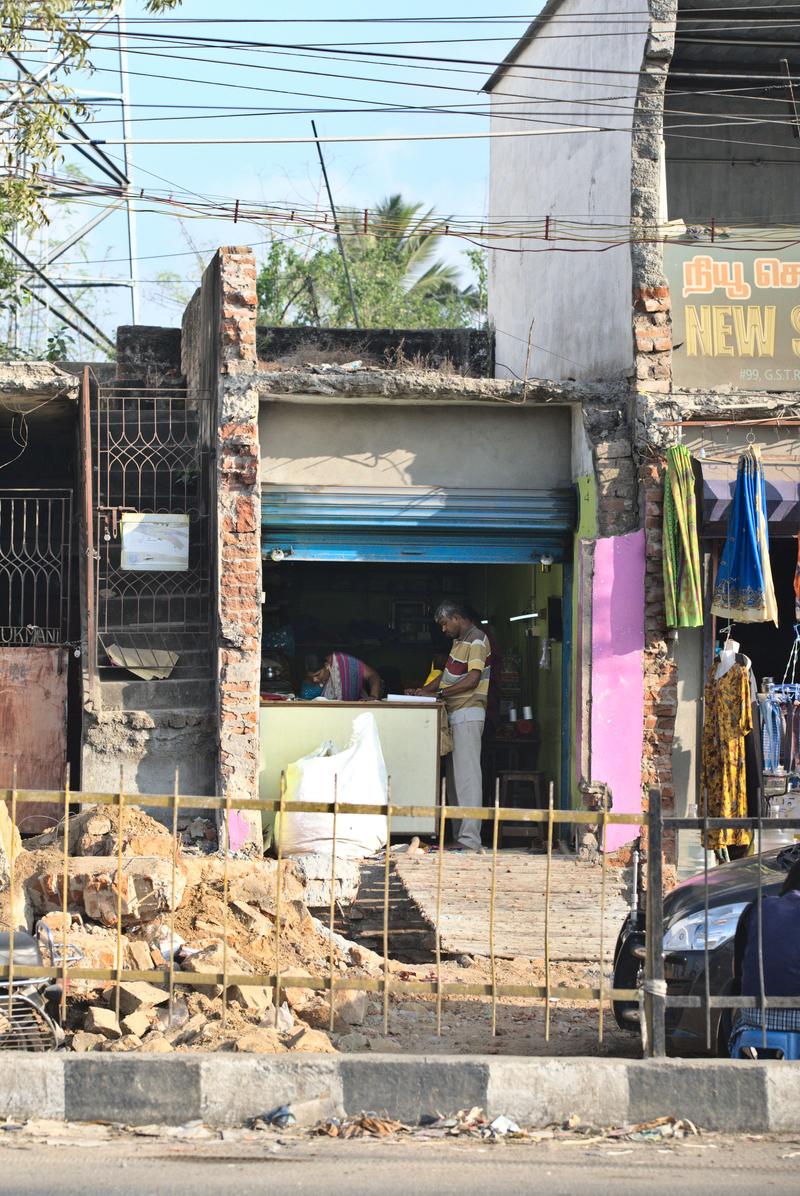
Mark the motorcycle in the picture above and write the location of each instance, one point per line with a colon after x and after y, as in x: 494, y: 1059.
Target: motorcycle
x: 29, y: 1007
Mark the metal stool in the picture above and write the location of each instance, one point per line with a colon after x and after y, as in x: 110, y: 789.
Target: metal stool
x: 520, y: 833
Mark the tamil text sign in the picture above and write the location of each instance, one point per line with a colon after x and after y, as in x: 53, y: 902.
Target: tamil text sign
x: 735, y: 312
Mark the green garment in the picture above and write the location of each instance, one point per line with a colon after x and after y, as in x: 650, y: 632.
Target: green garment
x: 680, y: 549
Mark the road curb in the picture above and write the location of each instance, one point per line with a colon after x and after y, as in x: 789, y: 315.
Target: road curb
x: 228, y: 1089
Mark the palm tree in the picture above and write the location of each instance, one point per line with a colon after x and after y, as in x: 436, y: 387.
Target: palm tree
x: 406, y: 239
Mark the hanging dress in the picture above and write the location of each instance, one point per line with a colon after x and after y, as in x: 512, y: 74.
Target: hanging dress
x: 680, y: 548
x: 744, y: 592
x: 727, y: 721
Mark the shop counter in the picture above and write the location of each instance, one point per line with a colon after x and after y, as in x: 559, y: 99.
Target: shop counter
x: 409, y: 734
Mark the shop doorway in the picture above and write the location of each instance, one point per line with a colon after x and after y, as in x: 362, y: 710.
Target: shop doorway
x: 769, y: 647
x: 382, y: 613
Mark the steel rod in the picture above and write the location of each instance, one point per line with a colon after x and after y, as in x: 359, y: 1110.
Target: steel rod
x: 173, y: 902
x: 438, y: 918
x: 277, y: 835
x: 547, y: 913
x: 65, y: 906
x: 12, y: 867
x: 120, y: 816
x: 225, y: 864
x: 600, y: 1010
x: 386, y: 879
x: 332, y: 946
x: 492, y: 896
x: 654, y: 978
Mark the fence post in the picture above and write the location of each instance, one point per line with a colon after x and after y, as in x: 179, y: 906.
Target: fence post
x: 655, y: 989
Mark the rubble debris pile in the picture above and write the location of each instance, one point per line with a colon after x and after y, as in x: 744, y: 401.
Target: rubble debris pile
x: 178, y: 914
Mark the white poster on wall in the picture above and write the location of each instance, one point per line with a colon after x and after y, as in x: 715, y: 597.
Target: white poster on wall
x: 155, y: 543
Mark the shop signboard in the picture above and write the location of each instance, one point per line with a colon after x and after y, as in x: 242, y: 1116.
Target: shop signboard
x: 736, y: 309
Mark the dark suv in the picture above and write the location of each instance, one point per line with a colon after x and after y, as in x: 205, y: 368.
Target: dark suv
x: 730, y: 888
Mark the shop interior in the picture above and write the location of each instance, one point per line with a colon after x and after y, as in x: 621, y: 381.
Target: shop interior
x: 774, y: 653
x: 383, y: 614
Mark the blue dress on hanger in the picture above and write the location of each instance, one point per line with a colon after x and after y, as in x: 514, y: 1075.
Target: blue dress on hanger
x: 744, y: 592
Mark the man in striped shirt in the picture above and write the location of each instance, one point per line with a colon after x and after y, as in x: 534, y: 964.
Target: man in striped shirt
x: 464, y: 686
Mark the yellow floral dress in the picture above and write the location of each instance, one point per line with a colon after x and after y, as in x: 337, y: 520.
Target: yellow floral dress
x: 728, y: 720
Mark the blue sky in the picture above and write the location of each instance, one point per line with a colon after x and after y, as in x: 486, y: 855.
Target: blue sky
x: 451, y: 176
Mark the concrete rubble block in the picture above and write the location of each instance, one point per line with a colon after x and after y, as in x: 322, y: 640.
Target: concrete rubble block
x: 98, y: 948
x: 93, y: 832
x: 252, y: 997
x: 212, y: 959
x: 262, y: 1040
x: 83, y: 1041
x: 254, y: 920
x: 137, y: 1023
x: 189, y: 1032
x: 93, y: 886
x: 128, y: 1042
x: 256, y: 883
x: 102, y: 1021
x: 353, y: 1042
x: 363, y: 957
x: 314, y: 874
x: 314, y: 1042
x: 138, y: 994
x: 156, y: 1044
x: 299, y: 999
x: 349, y: 1009
x: 139, y: 956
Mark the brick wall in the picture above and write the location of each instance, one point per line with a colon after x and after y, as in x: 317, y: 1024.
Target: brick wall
x: 238, y: 533
x: 660, y: 669
x: 219, y: 360
x: 652, y: 330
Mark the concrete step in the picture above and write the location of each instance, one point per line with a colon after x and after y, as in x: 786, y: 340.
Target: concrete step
x: 168, y: 694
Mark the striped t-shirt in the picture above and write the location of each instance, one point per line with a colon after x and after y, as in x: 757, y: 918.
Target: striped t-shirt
x: 473, y: 652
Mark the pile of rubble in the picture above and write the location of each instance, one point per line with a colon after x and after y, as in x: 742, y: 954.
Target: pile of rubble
x: 141, y: 894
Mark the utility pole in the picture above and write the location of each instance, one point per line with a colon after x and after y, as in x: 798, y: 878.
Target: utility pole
x: 336, y: 227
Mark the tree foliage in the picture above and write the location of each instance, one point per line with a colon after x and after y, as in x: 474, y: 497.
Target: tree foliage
x: 34, y: 112
x: 35, y: 115
x: 398, y: 279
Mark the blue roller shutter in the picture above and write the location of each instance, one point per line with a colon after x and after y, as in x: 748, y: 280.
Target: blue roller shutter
x: 342, y: 523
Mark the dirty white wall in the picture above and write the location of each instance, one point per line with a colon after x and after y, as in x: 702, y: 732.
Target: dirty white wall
x: 580, y: 303
x: 372, y: 444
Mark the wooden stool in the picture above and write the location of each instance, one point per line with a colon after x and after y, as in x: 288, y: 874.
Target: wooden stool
x: 522, y: 833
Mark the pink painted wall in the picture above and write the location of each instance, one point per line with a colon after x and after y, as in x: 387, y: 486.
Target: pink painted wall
x: 617, y: 680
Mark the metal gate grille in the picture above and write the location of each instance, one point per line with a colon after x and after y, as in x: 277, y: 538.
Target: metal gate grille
x: 35, y: 533
x: 149, y: 458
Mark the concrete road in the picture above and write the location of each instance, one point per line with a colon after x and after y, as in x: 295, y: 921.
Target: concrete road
x: 140, y: 1167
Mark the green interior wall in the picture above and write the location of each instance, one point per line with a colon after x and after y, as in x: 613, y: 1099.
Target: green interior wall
x: 586, y: 530
x: 515, y: 590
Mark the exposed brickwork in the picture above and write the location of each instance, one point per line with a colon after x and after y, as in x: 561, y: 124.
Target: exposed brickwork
x: 652, y: 331
x: 238, y: 530
x: 609, y: 434
x: 660, y: 670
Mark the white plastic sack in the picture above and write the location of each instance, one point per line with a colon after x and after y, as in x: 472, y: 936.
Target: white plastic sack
x: 360, y: 773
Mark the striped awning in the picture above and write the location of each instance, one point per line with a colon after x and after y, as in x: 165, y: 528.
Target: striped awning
x: 783, y: 498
